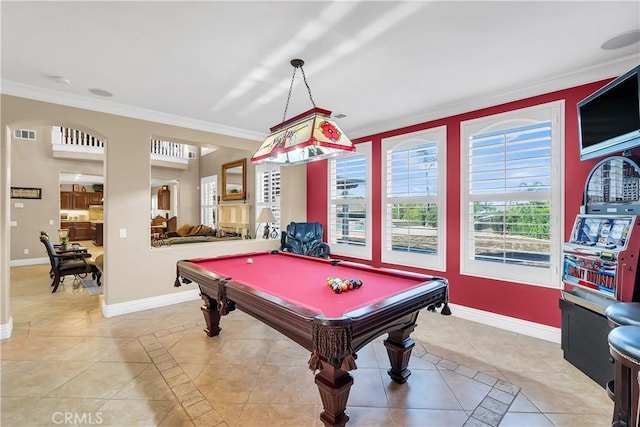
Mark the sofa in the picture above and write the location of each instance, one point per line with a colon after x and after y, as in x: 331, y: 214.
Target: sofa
x: 188, y: 233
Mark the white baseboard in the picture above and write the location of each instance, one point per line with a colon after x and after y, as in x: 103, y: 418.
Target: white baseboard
x: 512, y: 324
x: 111, y: 310
x: 28, y: 261
x: 6, y: 329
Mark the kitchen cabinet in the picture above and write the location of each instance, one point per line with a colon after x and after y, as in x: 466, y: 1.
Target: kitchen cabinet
x: 164, y: 198
x: 94, y: 198
x: 97, y: 228
x: 66, y: 200
x: 78, y: 230
x: 82, y: 231
x: 79, y: 200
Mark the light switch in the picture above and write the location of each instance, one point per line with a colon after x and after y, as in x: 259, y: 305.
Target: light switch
x: 13, y: 223
x: 50, y: 222
x: 123, y: 232
x: 19, y: 205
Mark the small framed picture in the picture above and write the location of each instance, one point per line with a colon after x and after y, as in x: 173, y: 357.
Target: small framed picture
x: 26, y: 193
x: 76, y: 187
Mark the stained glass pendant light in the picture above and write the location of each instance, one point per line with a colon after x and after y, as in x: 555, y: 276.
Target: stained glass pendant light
x: 312, y: 135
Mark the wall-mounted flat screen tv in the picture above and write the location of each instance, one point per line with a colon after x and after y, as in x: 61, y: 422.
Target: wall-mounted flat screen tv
x: 609, y: 119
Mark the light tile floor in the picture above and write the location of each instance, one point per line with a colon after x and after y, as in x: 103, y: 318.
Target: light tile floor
x: 67, y: 365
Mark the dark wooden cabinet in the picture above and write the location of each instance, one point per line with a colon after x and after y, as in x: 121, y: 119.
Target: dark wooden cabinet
x: 79, y: 200
x: 78, y: 230
x: 97, y: 228
x: 82, y: 231
x: 66, y: 200
x: 94, y: 198
x: 164, y: 198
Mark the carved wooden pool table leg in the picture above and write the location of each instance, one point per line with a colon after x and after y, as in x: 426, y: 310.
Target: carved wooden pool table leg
x: 334, y: 385
x: 399, y: 345
x: 211, y: 315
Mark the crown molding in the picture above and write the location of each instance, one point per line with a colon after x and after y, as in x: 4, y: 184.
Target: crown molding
x: 574, y: 78
x: 102, y: 106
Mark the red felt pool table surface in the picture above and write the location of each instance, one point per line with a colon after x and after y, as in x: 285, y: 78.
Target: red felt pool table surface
x: 303, y: 280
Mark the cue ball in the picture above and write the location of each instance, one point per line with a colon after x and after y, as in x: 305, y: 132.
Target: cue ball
x: 249, y: 260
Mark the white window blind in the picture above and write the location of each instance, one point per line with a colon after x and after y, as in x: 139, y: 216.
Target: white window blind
x: 512, y: 201
x: 350, y: 203
x: 413, y: 225
x: 208, y: 196
x: 268, y: 192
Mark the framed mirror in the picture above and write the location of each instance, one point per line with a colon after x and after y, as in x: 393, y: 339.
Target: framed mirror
x: 234, y: 180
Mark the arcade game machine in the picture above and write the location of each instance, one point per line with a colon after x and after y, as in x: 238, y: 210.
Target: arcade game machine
x: 600, y: 263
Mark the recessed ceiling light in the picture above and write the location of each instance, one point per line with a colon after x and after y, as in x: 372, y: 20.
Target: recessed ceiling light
x: 622, y: 40
x: 61, y: 80
x: 100, y: 92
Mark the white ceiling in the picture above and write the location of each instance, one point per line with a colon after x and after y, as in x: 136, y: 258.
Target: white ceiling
x: 224, y: 66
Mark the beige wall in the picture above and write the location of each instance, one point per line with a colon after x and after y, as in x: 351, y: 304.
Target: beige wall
x: 133, y: 270
x: 188, y: 206
x: 293, y: 201
x: 33, y: 165
x: 211, y: 164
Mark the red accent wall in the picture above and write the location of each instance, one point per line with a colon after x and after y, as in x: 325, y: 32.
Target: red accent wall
x: 532, y: 303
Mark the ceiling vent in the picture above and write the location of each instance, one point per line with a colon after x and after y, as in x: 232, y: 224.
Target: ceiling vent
x: 24, y: 134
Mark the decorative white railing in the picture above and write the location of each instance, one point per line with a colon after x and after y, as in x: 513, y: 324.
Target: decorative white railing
x: 73, y: 140
x: 169, y: 151
x: 67, y: 139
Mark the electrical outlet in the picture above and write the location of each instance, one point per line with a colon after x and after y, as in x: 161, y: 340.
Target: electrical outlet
x: 123, y: 233
x: 26, y: 251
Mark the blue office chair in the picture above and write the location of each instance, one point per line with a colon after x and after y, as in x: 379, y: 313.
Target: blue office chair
x: 304, y: 238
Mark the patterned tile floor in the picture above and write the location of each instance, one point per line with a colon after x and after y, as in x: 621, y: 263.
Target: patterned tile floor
x: 67, y: 365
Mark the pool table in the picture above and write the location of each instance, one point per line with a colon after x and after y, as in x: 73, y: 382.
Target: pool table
x: 290, y: 293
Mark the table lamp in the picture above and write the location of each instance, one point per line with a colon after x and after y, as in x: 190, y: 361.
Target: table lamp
x: 266, y: 216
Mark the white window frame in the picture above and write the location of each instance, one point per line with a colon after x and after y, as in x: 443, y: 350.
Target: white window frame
x: 432, y: 261
x: 546, y: 277
x: 364, y: 251
x: 209, y: 181
x: 273, y: 204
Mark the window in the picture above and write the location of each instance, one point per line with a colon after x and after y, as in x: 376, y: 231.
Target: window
x: 208, y: 196
x: 268, y: 195
x: 349, y: 216
x: 511, y: 195
x: 413, y: 200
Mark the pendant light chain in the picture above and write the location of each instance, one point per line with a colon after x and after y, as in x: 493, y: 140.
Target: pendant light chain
x: 308, y: 88
x: 286, y: 107
x: 297, y: 63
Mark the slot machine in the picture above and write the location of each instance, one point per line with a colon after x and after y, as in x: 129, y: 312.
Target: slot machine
x: 600, y: 263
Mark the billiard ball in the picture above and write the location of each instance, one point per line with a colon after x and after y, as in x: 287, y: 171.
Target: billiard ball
x: 249, y: 260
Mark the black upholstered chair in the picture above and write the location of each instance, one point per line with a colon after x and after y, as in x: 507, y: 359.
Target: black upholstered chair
x: 304, y: 238
x: 69, y: 264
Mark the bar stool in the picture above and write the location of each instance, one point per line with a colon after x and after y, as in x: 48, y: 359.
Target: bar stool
x: 624, y: 345
x: 623, y: 314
